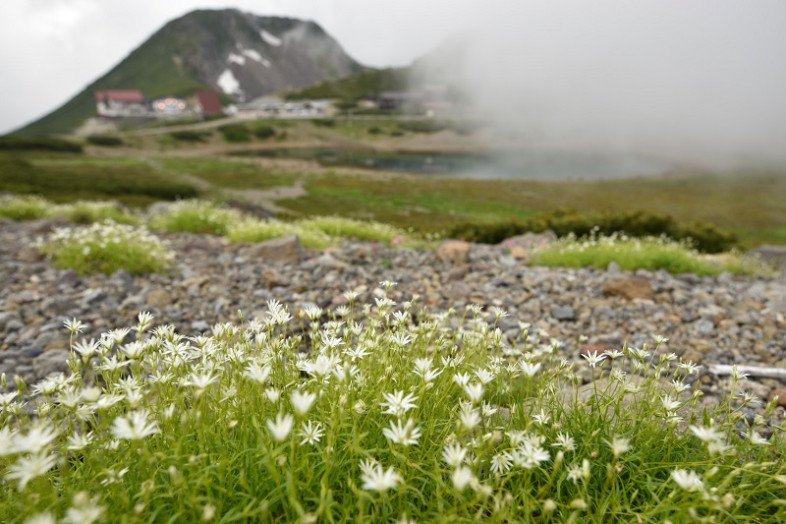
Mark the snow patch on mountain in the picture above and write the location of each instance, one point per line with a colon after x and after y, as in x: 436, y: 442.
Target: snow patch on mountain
x: 236, y: 59
x: 228, y: 83
x: 256, y: 57
x: 269, y: 38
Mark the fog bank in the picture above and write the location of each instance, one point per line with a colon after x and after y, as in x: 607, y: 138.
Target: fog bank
x: 693, y: 80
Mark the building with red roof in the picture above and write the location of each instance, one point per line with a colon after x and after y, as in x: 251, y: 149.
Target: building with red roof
x: 119, y: 103
x: 207, y: 103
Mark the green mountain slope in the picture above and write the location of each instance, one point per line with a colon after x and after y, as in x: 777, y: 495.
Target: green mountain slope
x: 356, y: 86
x: 191, y: 52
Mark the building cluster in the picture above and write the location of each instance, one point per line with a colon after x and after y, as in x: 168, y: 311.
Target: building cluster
x: 129, y: 104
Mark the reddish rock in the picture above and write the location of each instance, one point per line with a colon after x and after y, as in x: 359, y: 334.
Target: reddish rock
x: 600, y: 349
x: 454, y: 251
x: 781, y: 394
x: 629, y: 288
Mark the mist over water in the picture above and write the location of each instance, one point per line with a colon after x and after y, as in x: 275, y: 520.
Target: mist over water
x: 688, y: 81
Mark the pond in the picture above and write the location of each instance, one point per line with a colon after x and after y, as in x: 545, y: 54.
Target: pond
x: 521, y: 165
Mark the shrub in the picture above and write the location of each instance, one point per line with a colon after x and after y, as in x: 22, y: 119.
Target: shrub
x: 105, y: 140
x: 638, y: 253
x: 324, y: 122
x: 88, y: 212
x: 705, y: 237
x: 391, y: 416
x: 190, y: 136
x: 107, y: 247
x: 254, y: 230
x: 264, y: 132
x: 339, y: 227
x: 30, y: 143
x: 23, y: 207
x: 195, y: 216
x: 421, y: 126
x: 235, y: 133
x: 374, y: 130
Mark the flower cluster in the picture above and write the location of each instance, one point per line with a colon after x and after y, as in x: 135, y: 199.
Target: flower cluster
x: 395, y: 412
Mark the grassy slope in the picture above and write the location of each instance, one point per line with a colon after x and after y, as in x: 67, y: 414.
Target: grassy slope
x: 356, y: 86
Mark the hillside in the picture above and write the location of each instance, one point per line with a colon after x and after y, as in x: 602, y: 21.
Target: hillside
x: 240, y: 54
x: 356, y: 86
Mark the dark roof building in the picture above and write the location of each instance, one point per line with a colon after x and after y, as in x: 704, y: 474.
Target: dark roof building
x: 208, y: 103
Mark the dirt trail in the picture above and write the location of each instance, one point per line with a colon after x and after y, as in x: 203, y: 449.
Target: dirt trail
x: 264, y: 198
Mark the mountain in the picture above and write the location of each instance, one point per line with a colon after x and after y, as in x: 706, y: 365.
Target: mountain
x: 240, y: 54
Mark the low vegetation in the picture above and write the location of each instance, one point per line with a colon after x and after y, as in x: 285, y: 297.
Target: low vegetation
x: 105, y: 140
x: 379, y: 418
x: 235, y: 133
x: 195, y: 216
x: 355, y: 87
x: 190, y: 136
x: 651, y: 253
x: 703, y: 236
x: 105, y: 248
x: 27, y: 207
x: 251, y: 230
x: 38, y: 143
x: 68, y: 178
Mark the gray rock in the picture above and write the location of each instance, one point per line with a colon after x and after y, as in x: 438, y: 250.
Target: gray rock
x: 54, y: 361
x: 563, y: 313
x: 200, y: 325
x: 704, y: 327
x: 286, y: 250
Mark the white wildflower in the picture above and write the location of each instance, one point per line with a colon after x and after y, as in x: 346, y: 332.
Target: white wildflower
x: 310, y: 432
x: 302, y: 402
x: 463, y: 477
x: 85, y: 510
x: 29, y: 467
x: 407, y: 434
x: 378, y: 479
x: 619, y: 446
x: 501, y: 462
x: 397, y: 404
x: 281, y: 427
x: 454, y: 454
x: 687, y: 480
x: 474, y: 391
x: 134, y: 427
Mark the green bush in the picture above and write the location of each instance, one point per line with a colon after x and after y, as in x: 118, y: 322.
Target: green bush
x: 195, y: 216
x: 251, y: 230
x: 705, y: 237
x: 648, y: 253
x: 107, y: 247
x: 235, y: 133
x: 25, y: 143
x: 324, y: 122
x: 105, y: 140
x: 23, y: 207
x: 339, y: 227
x: 88, y: 212
x: 190, y: 136
x: 264, y: 132
x: 422, y: 126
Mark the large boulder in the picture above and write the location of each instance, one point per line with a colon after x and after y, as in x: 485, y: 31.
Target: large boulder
x: 454, y: 251
x: 629, y: 288
x: 286, y: 249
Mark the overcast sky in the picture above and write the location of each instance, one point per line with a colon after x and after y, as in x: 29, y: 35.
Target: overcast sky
x: 660, y: 74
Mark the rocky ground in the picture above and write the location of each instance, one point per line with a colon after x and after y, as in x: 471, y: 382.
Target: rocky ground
x: 723, y: 320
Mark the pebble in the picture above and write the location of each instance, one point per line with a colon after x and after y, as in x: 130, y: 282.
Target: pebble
x: 724, y: 320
